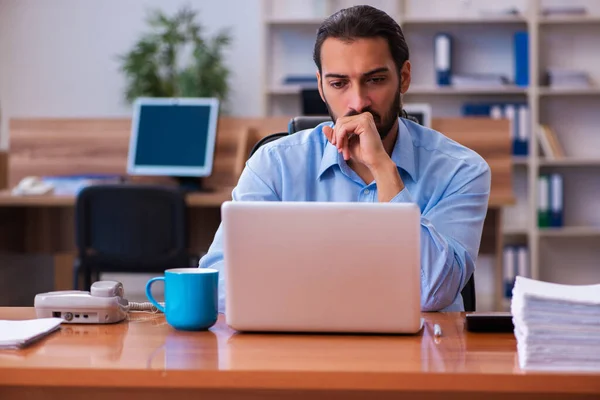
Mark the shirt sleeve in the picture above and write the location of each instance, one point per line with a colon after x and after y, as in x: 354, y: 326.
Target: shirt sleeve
x: 250, y: 187
x: 450, y: 236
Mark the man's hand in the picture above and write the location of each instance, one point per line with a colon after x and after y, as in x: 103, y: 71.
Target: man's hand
x: 357, y: 138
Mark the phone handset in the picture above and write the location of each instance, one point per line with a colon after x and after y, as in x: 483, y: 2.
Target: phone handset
x: 107, y: 289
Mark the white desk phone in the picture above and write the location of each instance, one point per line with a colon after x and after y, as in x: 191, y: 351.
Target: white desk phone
x: 103, y: 304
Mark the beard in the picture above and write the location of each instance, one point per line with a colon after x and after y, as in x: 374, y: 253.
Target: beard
x: 383, y: 124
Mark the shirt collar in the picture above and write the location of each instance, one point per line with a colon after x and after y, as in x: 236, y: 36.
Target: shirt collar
x: 403, y: 154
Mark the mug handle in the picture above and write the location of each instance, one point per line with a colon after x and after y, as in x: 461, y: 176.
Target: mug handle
x: 149, y: 292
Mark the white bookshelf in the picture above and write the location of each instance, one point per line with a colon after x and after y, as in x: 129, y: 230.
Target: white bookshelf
x: 566, y: 20
x: 570, y: 162
x: 592, y: 91
x: 500, y: 20
x: 436, y: 90
x: 571, y: 232
x: 484, y: 43
x: 291, y: 21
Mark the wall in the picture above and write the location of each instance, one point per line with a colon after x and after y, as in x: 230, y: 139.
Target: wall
x: 58, y: 58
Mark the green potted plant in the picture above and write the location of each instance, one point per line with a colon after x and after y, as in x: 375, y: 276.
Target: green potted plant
x: 174, y: 59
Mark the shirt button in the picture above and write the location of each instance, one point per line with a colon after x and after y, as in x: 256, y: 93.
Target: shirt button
x: 367, y: 191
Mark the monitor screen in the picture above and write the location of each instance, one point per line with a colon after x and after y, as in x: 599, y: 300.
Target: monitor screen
x: 312, y: 104
x: 173, y: 136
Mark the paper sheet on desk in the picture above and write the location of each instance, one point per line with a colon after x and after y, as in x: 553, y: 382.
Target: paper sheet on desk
x: 17, y: 334
x: 73, y: 184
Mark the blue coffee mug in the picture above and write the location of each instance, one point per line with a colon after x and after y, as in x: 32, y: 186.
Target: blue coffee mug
x: 191, y: 296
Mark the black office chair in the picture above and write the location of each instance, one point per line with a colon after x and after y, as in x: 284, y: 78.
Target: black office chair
x: 265, y: 140
x: 468, y: 295
x: 305, y: 122
x: 130, y: 228
x: 297, y: 124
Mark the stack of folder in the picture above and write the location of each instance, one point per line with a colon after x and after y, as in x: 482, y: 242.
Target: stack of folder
x: 550, y: 201
x: 549, y: 143
x: 517, y: 113
x: 515, y: 262
x: 557, y: 327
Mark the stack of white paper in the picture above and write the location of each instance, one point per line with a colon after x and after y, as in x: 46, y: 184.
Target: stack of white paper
x: 557, y: 326
x: 17, y: 334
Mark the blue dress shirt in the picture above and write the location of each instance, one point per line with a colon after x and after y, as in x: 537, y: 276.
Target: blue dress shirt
x: 449, y: 182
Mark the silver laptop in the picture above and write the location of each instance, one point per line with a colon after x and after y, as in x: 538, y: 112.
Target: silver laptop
x: 322, y: 267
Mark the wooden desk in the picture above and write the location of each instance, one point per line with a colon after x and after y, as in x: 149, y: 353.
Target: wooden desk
x: 208, y: 199
x: 145, y: 358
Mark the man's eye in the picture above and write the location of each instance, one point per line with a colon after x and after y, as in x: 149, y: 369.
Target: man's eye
x: 337, y: 84
x: 377, y: 79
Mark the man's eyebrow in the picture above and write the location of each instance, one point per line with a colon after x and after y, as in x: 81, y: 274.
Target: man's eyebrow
x: 368, y: 73
x: 338, y: 76
x: 376, y: 71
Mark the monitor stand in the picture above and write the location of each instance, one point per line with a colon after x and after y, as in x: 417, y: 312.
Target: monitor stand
x: 191, y: 184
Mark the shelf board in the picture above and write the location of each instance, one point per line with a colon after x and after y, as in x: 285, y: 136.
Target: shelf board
x: 570, y: 231
x: 292, y: 21
x: 451, y: 90
x: 569, y: 162
x: 515, y: 231
x: 287, y: 89
x: 520, y: 160
x: 500, y: 19
x: 570, y: 19
x: 566, y: 91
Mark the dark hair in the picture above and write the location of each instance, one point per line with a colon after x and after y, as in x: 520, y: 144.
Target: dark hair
x: 363, y: 22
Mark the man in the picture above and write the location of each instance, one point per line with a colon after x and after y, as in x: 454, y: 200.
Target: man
x: 370, y: 154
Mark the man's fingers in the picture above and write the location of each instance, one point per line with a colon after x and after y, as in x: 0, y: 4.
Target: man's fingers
x: 338, y: 134
x: 346, y: 148
x: 328, y: 132
x: 341, y: 131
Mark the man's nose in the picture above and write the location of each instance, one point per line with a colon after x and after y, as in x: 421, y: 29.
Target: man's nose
x: 358, y: 100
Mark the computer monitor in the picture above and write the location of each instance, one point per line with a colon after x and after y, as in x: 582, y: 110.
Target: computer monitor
x: 173, y: 137
x: 419, y: 111
x: 313, y: 105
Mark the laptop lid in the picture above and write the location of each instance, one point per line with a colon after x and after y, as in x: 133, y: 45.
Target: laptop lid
x: 322, y: 266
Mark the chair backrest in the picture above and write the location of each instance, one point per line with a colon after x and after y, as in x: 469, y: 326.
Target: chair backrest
x: 305, y: 122
x: 131, y: 227
x: 265, y: 140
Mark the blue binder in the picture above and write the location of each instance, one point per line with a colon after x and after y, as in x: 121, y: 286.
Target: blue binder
x: 521, y: 43
x: 476, y: 109
x: 443, y: 58
x: 556, y: 200
x: 509, y: 270
x: 522, y: 136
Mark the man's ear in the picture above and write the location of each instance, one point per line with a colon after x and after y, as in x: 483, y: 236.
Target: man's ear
x: 320, y: 86
x: 405, y: 77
